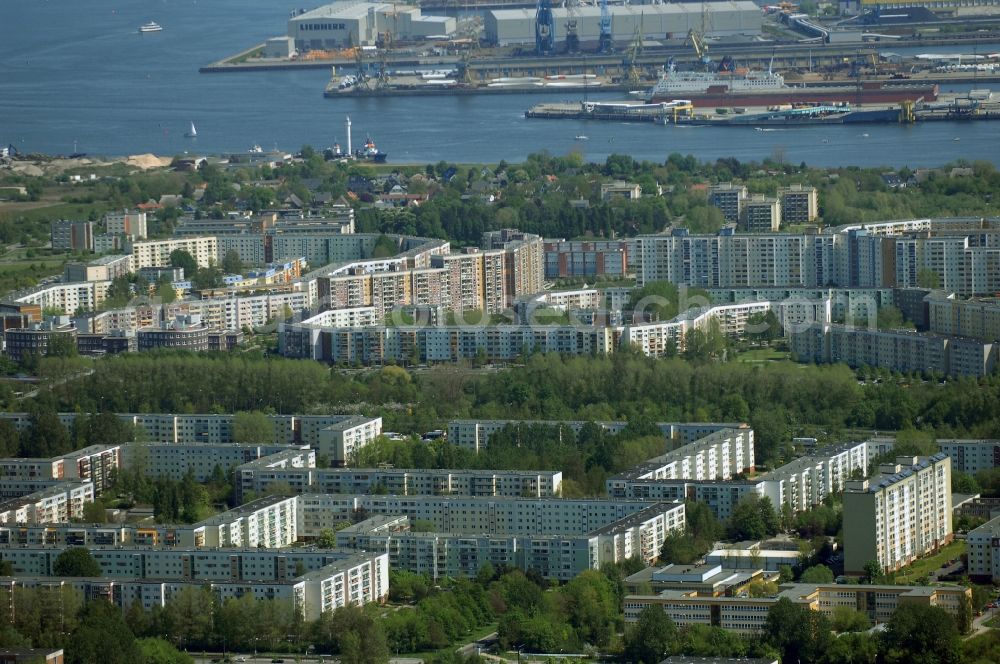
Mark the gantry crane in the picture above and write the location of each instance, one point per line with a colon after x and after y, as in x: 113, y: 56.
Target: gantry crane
x: 544, y: 28
x: 631, y: 62
x: 572, y: 34
x: 606, y: 41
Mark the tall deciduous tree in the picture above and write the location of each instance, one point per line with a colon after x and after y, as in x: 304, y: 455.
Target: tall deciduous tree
x: 919, y: 634
x: 102, y: 636
x: 652, y: 637
x: 252, y: 427
x: 76, y: 561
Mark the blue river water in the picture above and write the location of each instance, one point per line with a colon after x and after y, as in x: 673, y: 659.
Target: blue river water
x: 78, y: 76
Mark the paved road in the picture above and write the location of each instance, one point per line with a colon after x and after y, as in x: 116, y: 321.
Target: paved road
x: 977, y: 623
x: 477, y: 647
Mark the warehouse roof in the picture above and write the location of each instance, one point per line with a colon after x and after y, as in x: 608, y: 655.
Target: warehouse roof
x: 633, y: 10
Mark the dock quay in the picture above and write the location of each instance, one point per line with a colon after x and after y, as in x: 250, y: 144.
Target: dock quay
x: 950, y: 107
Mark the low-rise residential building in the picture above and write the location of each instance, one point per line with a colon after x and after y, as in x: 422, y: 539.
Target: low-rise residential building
x: 748, y: 615
x: 983, y: 547
x: 898, y: 515
x: 184, y: 332
x: 629, y: 191
x: 32, y: 656
x: 971, y: 456
x: 707, y: 579
x: 41, y: 339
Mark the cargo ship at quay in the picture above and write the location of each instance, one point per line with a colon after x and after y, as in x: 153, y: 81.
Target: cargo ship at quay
x: 714, y: 89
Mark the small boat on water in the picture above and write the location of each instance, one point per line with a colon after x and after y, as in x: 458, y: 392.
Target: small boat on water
x: 370, y: 153
x: 191, y: 133
x: 581, y: 137
x: 152, y: 26
x: 255, y: 149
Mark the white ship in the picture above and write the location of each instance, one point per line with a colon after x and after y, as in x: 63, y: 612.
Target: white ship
x: 673, y: 83
x: 152, y: 26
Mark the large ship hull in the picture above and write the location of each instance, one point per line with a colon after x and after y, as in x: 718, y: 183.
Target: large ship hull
x: 867, y: 94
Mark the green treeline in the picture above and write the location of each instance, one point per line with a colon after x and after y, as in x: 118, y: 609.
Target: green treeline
x: 586, y: 459
x: 775, y: 399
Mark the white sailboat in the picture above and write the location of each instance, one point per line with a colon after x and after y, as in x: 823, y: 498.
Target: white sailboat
x: 191, y: 133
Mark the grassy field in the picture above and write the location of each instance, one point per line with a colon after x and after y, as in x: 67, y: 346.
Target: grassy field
x: 769, y: 354
x: 925, y: 566
x: 23, y: 272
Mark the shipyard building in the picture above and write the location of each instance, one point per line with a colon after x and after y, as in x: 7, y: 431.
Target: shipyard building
x: 511, y: 27
x: 346, y: 24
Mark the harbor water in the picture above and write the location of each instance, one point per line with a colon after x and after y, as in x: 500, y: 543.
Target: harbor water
x: 79, y: 77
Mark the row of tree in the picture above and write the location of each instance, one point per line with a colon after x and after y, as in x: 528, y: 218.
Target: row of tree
x: 776, y: 399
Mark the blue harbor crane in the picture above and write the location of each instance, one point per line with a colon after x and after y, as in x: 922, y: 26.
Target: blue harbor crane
x: 545, y: 28
x: 605, y: 42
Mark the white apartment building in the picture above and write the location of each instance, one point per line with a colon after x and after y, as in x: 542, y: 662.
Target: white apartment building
x: 481, y: 515
x: 804, y: 483
x: 415, y: 482
x: 898, y: 515
x: 283, y: 467
x: 68, y: 298
x: 175, y: 460
x: 475, y: 434
x: 235, y: 311
x: 260, y: 476
x: 717, y: 456
x: 156, y: 253
x: 355, y: 578
x: 688, y: 473
x: 268, y: 522
x: 58, y: 503
x: 105, y: 268
x: 975, y: 319
x: 380, y: 345
x: 898, y: 350
x: 890, y: 254
x: 971, y: 456
x: 983, y: 546
x: 846, y: 304
x: 180, y: 562
x: 336, y: 436
x: 93, y: 464
x: 557, y: 555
